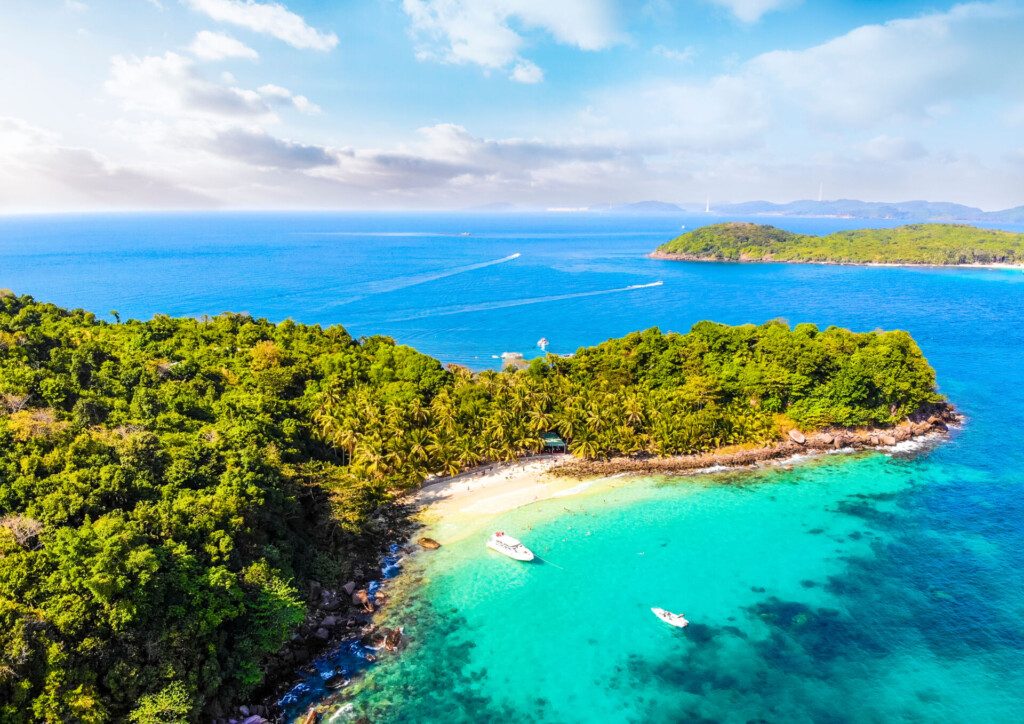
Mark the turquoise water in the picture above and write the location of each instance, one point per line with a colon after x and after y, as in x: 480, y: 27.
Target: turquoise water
x: 815, y: 594
x: 868, y: 588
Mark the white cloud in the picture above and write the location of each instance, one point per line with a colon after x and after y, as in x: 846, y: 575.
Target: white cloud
x: 35, y: 166
x: 889, y: 149
x: 681, y: 56
x: 446, y: 164
x: 169, y: 84
x: 526, y: 71
x: 725, y: 113
x: 489, y: 33
x: 218, y: 46
x: 268, y: 18
x: 917, y: 70
x: 282, y: 96
x: 906, y: 67
x: 874, y: 112
x: 75, y: 6
x: 750, y: 11
x: 257, y: 148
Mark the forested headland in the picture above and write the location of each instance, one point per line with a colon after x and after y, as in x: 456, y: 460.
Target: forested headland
x: 170, y: 488
x: 935, y: 244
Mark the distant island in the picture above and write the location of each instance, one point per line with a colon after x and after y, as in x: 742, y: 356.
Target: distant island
x: 922, y: 244
x: 190, y: 509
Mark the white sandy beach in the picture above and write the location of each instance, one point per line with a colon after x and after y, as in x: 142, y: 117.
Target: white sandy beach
x: 483, y: 492
x: 495, y: 488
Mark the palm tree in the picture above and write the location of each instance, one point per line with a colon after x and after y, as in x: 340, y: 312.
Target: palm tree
x: 345, y: 437
x: 539, y: 421
x: 417, y: 441
x: 633, y: 407
x: 584, y: 448
x: 369, y: 458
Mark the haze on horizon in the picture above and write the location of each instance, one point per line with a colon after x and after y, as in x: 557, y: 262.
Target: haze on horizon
x: 150, y: 104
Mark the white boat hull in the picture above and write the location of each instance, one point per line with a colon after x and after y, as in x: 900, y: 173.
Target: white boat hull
x: 672, y: 619
x: 511, y: 547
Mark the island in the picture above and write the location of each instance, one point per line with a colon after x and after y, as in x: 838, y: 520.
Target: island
x: 913, y: 244
x: 192, y: 508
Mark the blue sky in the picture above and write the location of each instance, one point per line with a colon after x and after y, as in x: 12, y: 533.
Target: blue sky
x: 140, y: 104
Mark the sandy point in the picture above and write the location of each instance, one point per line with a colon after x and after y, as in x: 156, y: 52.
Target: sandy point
x: 492, y: 489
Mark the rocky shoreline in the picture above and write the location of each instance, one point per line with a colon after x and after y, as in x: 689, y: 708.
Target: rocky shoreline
x: 744, y: 259
x: 935, y: 420
x: 337, y: 612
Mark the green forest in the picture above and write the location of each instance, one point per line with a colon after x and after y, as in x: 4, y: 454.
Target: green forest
x: 942, y: 244
x: 169, y: 488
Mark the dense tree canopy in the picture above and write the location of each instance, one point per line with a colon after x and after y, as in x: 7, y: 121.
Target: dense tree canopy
x: 945, y: 244
x: 167, y: 488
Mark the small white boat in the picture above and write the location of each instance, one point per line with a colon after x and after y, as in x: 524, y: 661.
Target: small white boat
x: 509, y: 546
x: 672, y: 619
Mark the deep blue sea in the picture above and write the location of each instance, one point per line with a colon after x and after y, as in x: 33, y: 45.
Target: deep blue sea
x: 870, y: 588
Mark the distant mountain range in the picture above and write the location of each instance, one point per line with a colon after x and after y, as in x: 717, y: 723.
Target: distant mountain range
x: 851, y: 208
x: 841, y: 208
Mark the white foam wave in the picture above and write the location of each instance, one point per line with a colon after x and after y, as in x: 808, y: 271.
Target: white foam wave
x: 914, y: 444
x: 574, y: 490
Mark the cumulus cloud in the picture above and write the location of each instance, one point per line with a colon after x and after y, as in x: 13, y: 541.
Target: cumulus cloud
x: 915, y: 69
x: 904, y: 67
x: 490, y: 33
x: 34, y: 165
x: 750, y: 11
x: 866, y: 111
x: 267, y: 18
x: 446, y: 163
x: 276, y: 94
x: 171, y: 85
x: 219, y: 46
x: 526, y: 71
x: 257, y: 148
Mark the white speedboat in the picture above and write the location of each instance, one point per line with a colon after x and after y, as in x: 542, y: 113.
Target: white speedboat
x: 672, y: 619
x: 509, y: 546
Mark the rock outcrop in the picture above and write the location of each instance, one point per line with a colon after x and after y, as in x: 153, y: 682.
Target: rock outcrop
x: 935, y: 421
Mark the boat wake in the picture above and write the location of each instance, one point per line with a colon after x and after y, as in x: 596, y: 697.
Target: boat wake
x: 382, y: 286
x: 487, y: 306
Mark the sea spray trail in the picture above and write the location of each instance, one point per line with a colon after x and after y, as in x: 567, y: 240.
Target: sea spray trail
x: 382, y: 286
x: 487, y: 306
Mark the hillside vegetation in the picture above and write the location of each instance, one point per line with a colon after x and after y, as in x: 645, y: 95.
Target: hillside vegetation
x: 170, y: 488
x: 943, y: 244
